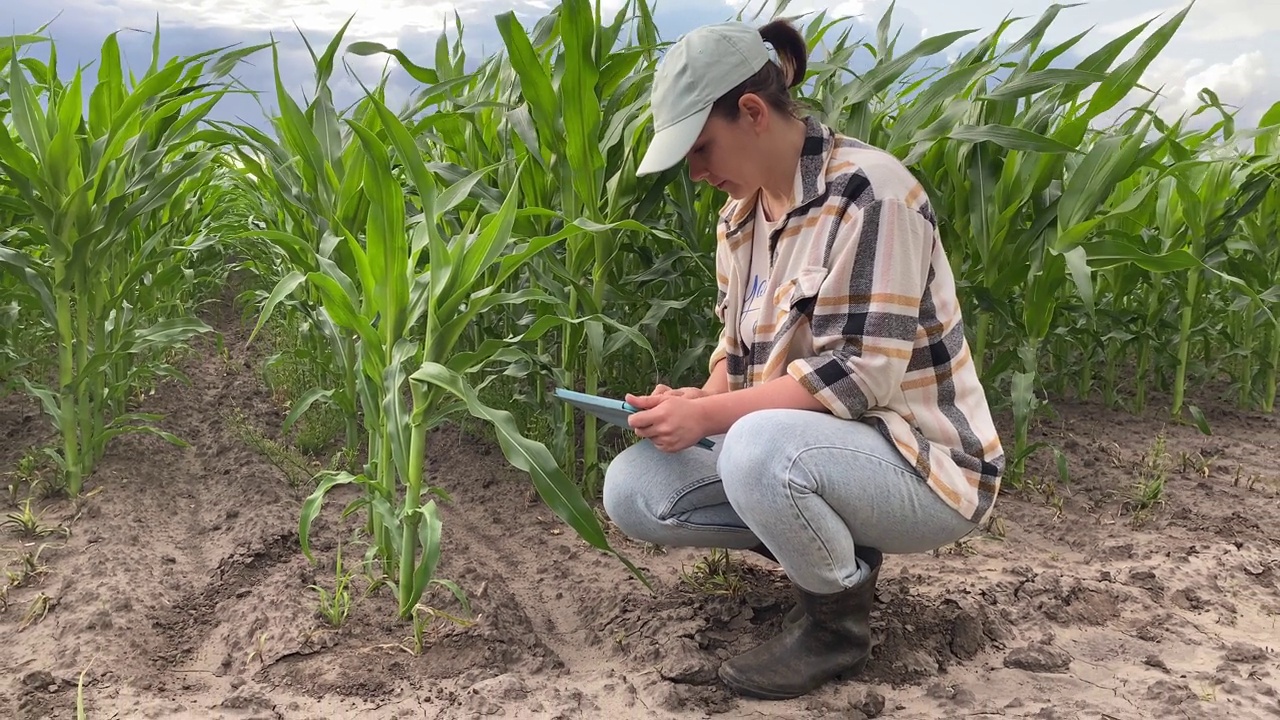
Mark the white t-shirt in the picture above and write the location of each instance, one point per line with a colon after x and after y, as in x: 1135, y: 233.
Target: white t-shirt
x: 757, y: 276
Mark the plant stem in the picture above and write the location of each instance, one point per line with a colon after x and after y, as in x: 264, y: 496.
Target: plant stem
x: 1269, y: 394
x: 1184, y: 335
x: 980, y: 342
x: 412, y: 501
x: 67, y: 403
x: 1243, y: 324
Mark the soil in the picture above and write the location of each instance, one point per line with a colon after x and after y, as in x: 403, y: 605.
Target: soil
x: 179, y: 589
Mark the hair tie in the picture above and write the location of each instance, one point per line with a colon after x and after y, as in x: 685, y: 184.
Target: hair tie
x: 773, y: 53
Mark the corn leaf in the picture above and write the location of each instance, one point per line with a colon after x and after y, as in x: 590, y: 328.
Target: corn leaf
x: 558, y: 491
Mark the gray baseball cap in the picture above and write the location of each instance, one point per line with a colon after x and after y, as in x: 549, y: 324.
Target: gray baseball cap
x: 693, y: 73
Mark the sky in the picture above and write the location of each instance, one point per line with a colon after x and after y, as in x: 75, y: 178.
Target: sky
x: 1231, y: 46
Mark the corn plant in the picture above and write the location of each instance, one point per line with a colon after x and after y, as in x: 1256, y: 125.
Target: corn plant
x: 547, y: 102
x: 1014, y: 165
x: 412, y: 295
x: 97, y: 247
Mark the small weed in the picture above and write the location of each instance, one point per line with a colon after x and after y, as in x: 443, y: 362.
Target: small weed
x: 995, y: 527
x: 40, y: 607
x: 653, y: 549
x: 36, y: 470
x: 1153, y: 472
x: 80, y: 711
x: 963, y: 547
x: 297, y: 471
x: 260, y: 648
x: 27, y: 523
x: 293, y: 371
x: 1253, y: 481
x: 423, y: 615
x: 1195, y: 462
x: 31, y: 568
x: 715, y: 574
x: 335, y: 606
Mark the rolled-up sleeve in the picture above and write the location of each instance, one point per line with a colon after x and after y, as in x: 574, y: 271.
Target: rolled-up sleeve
x: 722, y: 292
x: 866, y: 314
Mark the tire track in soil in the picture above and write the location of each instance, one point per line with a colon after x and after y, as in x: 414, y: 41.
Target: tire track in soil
x: 500, y: 534
x: 579, y: 601
x: 187, y: 625
x: 167, y: 539
x: 479, y: 536
x: 219, y: 546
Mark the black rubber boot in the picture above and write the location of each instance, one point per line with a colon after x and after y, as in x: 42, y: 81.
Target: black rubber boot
x: 832, y: 640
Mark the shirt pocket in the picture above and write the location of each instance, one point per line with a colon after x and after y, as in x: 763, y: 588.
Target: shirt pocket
x: 800, y: 295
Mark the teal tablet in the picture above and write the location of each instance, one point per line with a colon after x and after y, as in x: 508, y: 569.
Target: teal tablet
x: 611, y: 410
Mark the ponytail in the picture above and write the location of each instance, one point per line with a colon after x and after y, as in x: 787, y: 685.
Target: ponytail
x: 774, y: 81
x: 793, y: 53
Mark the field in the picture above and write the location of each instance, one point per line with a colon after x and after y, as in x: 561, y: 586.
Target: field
x: 177, y: 596
x: 277, y: 441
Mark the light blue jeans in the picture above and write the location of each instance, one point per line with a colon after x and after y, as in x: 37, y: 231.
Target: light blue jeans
x: 808, y: 485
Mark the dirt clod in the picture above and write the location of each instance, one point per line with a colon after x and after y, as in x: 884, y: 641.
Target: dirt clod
x: 1245, y: 653
x: 870, y: 704
x: 684, y: 662
x: 1038, y: 658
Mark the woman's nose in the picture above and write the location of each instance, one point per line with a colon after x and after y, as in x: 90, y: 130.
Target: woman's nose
x: 696, y: 170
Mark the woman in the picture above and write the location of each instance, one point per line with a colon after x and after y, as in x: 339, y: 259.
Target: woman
x: 849, y: 420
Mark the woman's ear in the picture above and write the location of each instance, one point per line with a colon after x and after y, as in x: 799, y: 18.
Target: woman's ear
x: 754, y: 110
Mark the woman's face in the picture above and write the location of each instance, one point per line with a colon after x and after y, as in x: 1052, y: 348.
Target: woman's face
x: 727, y: 152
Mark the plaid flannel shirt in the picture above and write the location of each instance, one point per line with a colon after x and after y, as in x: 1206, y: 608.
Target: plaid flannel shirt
x: 861, y: 309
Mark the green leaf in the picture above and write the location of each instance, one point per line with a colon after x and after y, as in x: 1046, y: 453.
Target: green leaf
x: 534, y: 82
x: 559, y: 492
x: 580, y: 107
x: 1107, y: 253
x: 312, y: 505
x: 491, y: 243
x: 303, y: 404
x: 1124, y: 78
x: 429, y: 532
x: 344, y: 313
x: 1034, y: 82
x: 1201, y: 421
x: 1078, y: 262
x: 1011, y: 138
x: 167, y: 333
x: 884, y: 74
x: 27, y: 115
x: 424, y: 75
x: 282, y: 290
x: 27, y: 270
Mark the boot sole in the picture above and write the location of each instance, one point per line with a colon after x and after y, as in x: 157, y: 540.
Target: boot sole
x: 736, y: 684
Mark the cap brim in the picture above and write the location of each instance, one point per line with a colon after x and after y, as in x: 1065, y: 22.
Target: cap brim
x: 671, y: 144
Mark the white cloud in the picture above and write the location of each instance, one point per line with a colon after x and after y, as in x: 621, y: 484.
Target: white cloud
x: 1211, y: 20
x: 384, y: 21
x: 846, y: 8
x: 1179, y: 82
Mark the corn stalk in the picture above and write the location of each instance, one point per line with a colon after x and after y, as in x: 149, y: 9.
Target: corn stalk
x: 96, y: 187
x: 407, y: 321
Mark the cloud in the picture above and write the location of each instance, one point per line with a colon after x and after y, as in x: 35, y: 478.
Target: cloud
x: 1243, y: 82
x: 1211, y: 20
x: 867, y: 12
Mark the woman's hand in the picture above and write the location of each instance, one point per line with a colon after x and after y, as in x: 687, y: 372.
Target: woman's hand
x: 672, y: 422
x: 662, y: 393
